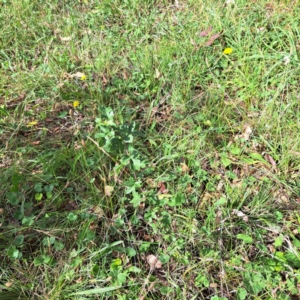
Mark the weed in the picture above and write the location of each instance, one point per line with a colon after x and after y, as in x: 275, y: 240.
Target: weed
x: 150, y: 150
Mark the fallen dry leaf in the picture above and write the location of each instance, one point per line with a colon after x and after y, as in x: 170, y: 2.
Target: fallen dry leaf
x: 189, y: 189
x: 78, y: 75
x: 104, y: 79
x: 206, y: 197
x: 247, y: 132
x: 162, y: 188
x: 206, y: 32
x: 79, y: 280
x: 218, y: 217
x: 108, y: 190
x: 147, y: 238
x: 193, y: 42
x: 190, y: 151
x: 93, y: 226
x: 195, y: 226
x: 220, y: 186
x: 269, y: 6
x: 142, y: 206
x: 157, y: 74
x: 271, y: 248
x: 151, y: 183
x: 281, y: 196
x: 240, y: 214
x: 69, y: 205
x: 270, y: 159
x: 153, y: 261
x: 184, y: 168
x: 97, y: 210
x: 294, y: 153
x: 8, y: 284
x: 212, y: 39
x: 65, y: 39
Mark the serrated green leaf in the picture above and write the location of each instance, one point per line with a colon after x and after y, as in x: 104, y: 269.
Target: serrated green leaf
x: 58, y: 246
x: 164, y: 258
x: 12, y: 197
x: 257, y: 156
x: 278, y: 241
x: 38, y: 196
x: 226, y: 161
x: 220, y: 202
x: 19, y: 240
x: 13, y: 252
x: 245, y: 238
x: 202, y: 280
x: 38, y: 261
x: 242, y: 294
x: 134, y: 269
x: 235, y: 151
x: 130, y: 252
x: 28, y: 220
x: 296, y: 243
x: 121, y: 278
x: 72, y: 217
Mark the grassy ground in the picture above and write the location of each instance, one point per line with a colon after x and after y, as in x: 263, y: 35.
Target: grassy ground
x: 139, y: 160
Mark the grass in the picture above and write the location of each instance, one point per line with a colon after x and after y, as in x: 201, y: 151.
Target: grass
x: 138, y: 161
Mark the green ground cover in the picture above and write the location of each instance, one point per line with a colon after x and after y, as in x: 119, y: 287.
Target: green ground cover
x: 149, y: 149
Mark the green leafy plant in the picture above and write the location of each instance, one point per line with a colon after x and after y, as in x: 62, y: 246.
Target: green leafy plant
x: 149, y: 150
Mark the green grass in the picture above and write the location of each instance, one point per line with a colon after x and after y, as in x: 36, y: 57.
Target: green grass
x: 176, y: 177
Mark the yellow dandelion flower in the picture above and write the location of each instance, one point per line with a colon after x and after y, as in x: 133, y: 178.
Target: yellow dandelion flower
x: 83, y: 77
x: 227, y: 51
x: 30, y: 124
x: 75, y: 104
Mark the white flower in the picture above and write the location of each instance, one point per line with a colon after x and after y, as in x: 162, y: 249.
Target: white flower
x: 229, y: 2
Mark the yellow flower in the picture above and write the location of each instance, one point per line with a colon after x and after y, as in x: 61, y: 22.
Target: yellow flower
x: 83, y: 77
x: 76, y: 103
x: 30, y: 124
x: 227, y: 51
